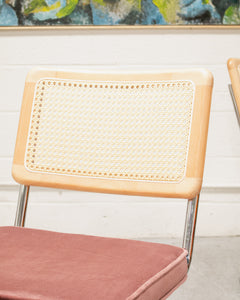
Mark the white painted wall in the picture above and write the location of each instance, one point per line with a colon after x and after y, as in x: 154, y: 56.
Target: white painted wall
x: 125, y: 49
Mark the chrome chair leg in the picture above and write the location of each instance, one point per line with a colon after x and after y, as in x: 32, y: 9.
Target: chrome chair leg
x: 22, y: 206
x: 234, y: 103
x: 190, y: 226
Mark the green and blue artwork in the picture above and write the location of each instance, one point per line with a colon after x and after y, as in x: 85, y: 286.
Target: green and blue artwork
x: 119, y: 12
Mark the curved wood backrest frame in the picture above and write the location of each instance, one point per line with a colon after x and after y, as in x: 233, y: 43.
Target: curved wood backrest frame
x: 234, y: 73
x: 189, y: 187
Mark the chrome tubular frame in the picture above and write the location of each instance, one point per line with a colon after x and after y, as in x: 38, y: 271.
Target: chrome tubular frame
x: 189, y: 229
x: 22, y: 206
x: 234, y: 103
x: 190, y: 226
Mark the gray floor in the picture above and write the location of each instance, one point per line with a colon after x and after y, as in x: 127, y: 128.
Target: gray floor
x: 214, y: 272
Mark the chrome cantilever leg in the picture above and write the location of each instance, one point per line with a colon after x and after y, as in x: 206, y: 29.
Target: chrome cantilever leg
x: 234, y: 103
x: 22, y: 206
x: 190, y: 226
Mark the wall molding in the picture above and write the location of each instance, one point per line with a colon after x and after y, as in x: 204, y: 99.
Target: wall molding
x: 123, y: 216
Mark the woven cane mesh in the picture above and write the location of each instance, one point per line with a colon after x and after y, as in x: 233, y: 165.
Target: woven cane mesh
x: 122, y: 130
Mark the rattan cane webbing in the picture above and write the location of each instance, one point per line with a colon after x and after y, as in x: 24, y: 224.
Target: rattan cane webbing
x: 122, y: 130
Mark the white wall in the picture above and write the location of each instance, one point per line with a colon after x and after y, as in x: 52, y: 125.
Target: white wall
x: 125, y: 49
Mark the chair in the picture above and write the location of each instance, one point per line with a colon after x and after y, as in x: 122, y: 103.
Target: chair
x: 127, y: 133
x: 234, y: 88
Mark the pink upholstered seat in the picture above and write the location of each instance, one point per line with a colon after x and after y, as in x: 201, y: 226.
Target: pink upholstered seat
x: 37, y: 264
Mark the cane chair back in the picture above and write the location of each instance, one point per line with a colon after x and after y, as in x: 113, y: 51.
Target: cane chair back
x: 128, y: 133
x: 234, y: 73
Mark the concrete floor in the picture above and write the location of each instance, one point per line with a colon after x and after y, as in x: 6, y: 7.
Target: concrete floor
x: 214, y: 272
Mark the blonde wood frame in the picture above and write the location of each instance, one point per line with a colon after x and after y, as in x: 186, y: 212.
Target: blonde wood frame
x: 233, y: 65
x: 188, y: 188
x: 119, y: 27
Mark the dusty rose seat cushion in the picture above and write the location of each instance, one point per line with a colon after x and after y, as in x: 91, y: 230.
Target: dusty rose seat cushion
x: 37, y: 264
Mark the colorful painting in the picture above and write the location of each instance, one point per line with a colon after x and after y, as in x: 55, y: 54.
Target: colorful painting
x: 118, y: 12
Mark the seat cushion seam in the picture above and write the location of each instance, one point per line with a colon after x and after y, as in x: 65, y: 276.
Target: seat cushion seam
x: 158, y: 276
